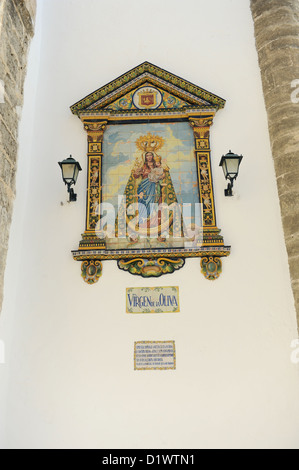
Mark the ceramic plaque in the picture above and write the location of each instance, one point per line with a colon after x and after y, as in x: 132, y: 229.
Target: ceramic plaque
x: 152, y: 300
x: 154, y: 355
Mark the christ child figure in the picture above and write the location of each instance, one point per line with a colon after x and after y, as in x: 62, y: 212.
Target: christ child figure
x: 157, y: 175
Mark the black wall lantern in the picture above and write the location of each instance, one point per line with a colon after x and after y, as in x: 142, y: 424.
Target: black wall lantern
x: 70, y: 170
x: 230, y: 166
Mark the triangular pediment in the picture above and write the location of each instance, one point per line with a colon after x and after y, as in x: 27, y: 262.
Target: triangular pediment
x: 147, y: 96
x: 147, y: 87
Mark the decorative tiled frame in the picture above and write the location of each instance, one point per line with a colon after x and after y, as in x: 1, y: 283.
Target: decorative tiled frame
x: 95, y: 114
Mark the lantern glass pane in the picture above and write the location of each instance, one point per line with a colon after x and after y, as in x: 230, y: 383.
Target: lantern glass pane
x: 68, y: 172
x: 76, y: 172
x: 232, y: 165
x: 224, y: 168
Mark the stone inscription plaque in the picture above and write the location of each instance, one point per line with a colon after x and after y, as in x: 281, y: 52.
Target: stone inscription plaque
x: 154, y: 355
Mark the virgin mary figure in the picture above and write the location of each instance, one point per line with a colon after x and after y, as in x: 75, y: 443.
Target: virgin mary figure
x: 148, y: 187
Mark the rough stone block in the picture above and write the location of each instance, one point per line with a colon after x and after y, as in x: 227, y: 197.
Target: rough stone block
x: 3, y: 255
x: 19, y: 44
x: 258, y: 8
x: 285, y: 163
x: 292, y: 244
x: 290, y: 204
x: 13, y: 65
x: 290, y: 224
x: 284, y: 111
x: 7, y: 172
x: 16, y: 28
x: 288, y: 182
x: 295, y: 288
x: 268, y: 79
x: 264, y: 33
x: 31, y: 7
x: 6, y: 197
x: 25, y: 15
x: 280, y: 59
x: 10, y: 118
x: 277, y: 84
x: 5, y: 221
x: 286, y: 126
x: 8, y: 142
x: 2, y: 66
x: 294, y: 267
x: 290, y: 42
x: 278, y: 97
x: 12, y: 92
x: 283, y: 144
x: 11, y: 13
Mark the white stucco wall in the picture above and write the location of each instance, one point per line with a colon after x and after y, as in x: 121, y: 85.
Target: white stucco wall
x: 68, y: 378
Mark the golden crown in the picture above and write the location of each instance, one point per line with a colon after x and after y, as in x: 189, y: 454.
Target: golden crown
x: 149, y: 142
